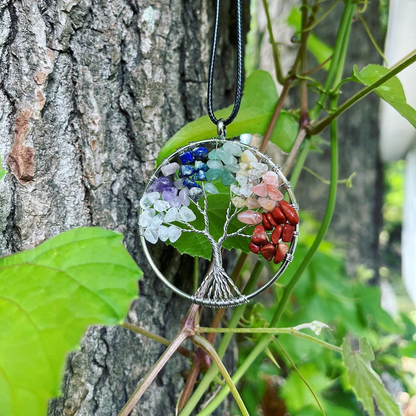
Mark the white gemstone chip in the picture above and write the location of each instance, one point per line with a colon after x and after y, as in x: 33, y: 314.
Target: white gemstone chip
x: 151, y: 236
x: 149, y: 199
x: 186, y: 214
x: 161, y: 206
x: 156, y: 221
x: 162, y: 233
x: 174, y: 233
x: 171, y: 215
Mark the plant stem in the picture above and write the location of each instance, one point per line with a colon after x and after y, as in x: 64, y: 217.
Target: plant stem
x: 304, y: 119
x: 286, y: 331
x: 134, y: 328
x: 210, y: 350
x: 336, y: 66
x: 276, y: 56
x: 322, y: 17
x: 235, y: 319
x: 255, y: 352
x: 299, y: 374
x: 317, y: 128
x: 335, y: 71
x: 373, y: 41
x: 196, y: 365
x: 276, y: 113
x: 294, y: 152
x: 326, y: 182
x: 190, y: 383
x: 300, y: 161
x: 151, y: 375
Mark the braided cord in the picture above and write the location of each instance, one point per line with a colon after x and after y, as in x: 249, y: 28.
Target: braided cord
x: 239, y: 83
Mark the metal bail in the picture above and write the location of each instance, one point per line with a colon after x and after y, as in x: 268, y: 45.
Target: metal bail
x: 221, y: 129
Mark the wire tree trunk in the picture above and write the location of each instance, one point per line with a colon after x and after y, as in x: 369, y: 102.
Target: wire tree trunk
x: 89, y: 92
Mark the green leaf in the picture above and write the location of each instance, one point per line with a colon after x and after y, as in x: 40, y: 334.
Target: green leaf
x: 257, y: 106
x: 370, y: 307
x: 197, y: 245
x: 391, y: 91
x: 48, y: 297
x: 364, y: 381
x: 319, y: 49
x: 297, y: 395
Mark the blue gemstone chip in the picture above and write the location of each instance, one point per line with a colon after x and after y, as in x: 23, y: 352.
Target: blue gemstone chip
x: 200, y: 176
x: 186, y: 158
x: 186, y: 170
x: 190, y: 183
x: 200, y: 166
x: 200, y: 153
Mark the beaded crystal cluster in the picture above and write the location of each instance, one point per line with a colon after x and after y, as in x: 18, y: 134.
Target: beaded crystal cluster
x: 168, y: 197
x: 254, y: 191
x: 177, y: 201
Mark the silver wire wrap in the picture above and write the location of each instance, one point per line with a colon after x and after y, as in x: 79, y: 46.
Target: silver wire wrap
x: 217, y: 290
x: 221, y: 129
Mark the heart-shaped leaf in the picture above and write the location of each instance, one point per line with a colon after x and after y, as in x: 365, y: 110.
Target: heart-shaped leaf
x: 391, y: 91
x: 48, y: 297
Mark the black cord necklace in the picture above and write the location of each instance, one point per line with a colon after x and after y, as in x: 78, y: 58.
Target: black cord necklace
x: 222, y: 124
x: 214, y: 194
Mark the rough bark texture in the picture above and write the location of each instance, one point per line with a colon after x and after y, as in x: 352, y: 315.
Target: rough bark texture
x: 89, y: 92
x: 356, y: 223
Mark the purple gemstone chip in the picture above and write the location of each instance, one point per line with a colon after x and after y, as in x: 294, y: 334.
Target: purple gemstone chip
x: 169, y: 193
x: 160, y: 184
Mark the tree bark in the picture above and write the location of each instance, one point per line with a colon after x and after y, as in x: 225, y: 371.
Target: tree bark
x: 90, y: 90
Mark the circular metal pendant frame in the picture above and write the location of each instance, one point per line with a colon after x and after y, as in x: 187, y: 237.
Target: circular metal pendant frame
x: 284, y: 183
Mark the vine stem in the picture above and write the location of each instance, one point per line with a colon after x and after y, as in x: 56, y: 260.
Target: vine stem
x: 300, y: 161
x: 197, y: 361
x: 211, y: 374
x: 294, y: 152
x: 276, y: 113
x: 255, y: 352
x: 276, y: 56
x: 210, y: 350
x: 134, y: 328
x: 151, y: 375
x: 286, y: 354
x: 317, y: 128
x: 286, y: 331
x: 187, y: 330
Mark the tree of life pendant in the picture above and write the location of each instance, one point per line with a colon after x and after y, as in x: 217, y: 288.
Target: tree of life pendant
x: 220, y: 194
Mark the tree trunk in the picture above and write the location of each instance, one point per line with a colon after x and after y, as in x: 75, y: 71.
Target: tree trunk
x: 90, y: 90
